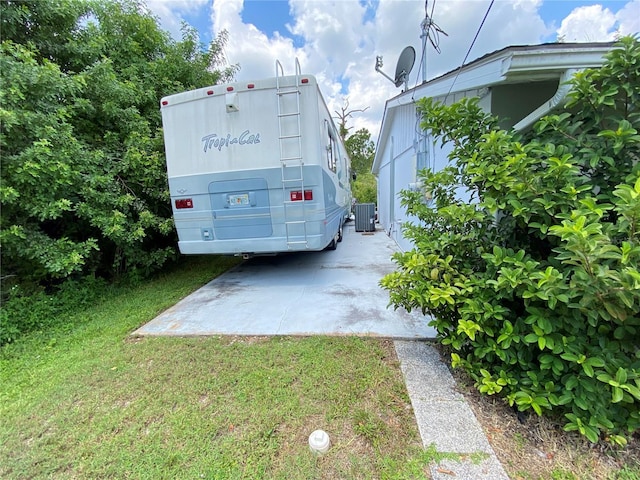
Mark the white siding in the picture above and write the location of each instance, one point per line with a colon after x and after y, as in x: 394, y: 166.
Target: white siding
x: 522, y: 78
x: 398, y: 167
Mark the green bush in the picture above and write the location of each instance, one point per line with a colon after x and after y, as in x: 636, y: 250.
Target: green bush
x: 83, y: 182
x: 30, y: 309
x: 365, y: 188
x: 535, y: 283
x: 361, y: 150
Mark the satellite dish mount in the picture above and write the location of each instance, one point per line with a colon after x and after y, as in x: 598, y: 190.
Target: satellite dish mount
x: 403, y: 67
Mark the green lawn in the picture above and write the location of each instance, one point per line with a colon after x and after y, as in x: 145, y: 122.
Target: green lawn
x: 87, y: 400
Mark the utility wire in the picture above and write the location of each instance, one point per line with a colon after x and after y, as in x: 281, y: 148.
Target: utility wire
x: 469, y: 51
x: 433, y: 33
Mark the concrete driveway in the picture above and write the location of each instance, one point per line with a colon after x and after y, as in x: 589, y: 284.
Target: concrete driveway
x: 337, y: 293
x: 313, y: 293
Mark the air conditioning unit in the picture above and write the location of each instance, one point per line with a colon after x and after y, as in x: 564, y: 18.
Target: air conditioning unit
x: 365, y: 217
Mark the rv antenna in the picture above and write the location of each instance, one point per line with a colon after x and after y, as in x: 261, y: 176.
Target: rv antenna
x: 403, y: 67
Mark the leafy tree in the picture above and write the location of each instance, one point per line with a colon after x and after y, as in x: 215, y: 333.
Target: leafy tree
x: 535, y: 286
x: 84, y: 186
x: 365, y: 188
x: 361, y: 150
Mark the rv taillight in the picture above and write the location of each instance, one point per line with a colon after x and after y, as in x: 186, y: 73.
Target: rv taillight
x: 297, y: 195
x: 184, y: 203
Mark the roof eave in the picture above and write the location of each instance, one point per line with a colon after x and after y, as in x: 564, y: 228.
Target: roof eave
x: 517, y: 63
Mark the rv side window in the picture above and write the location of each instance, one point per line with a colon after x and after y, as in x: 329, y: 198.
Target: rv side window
x: 332, y: 156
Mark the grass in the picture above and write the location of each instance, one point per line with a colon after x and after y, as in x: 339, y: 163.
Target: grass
x: 87, y: 400
x: 208, y: 408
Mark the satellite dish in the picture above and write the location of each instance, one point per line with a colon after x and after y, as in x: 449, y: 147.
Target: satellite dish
x: 405, y: 64
x: 403, y: 68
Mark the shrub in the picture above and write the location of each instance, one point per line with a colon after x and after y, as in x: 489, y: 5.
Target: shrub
x: 364, y: 188
x: 83, y: 182
x: 30, y: 309
x: 535, y: 284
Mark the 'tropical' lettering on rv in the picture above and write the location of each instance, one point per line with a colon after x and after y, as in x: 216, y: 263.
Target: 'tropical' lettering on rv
x: 212, y: 140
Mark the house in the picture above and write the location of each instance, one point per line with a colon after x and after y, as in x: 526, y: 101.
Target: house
x: 518, y: 84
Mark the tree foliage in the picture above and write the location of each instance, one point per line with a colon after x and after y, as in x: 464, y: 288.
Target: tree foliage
x: 361, y: 151
x: 84, y: 186
x: 535, y: 284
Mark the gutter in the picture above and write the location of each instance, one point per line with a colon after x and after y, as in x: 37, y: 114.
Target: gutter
x: 558, y: 98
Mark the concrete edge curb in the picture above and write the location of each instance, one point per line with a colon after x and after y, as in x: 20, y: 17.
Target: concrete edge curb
x: 444, y: 418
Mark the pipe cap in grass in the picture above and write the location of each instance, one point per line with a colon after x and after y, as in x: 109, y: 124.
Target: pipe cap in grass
x: 319, y: 442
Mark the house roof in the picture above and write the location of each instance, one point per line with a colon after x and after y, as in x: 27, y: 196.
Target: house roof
x: 513, y: 64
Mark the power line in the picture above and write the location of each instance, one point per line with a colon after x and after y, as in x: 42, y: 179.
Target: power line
x: 469, y: 51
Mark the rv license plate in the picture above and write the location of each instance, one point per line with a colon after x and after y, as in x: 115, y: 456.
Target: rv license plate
x: 240, y: 199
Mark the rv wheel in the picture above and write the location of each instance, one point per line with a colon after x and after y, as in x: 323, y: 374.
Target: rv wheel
x: 333, y: 245
x: 340, y: 234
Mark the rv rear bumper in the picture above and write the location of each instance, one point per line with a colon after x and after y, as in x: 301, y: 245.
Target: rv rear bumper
x: 254, y: 245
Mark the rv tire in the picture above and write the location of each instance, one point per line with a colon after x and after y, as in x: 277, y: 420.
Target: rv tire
x: 340, y: 234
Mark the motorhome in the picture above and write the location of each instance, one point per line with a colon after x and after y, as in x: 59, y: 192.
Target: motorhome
x: 256, y: 167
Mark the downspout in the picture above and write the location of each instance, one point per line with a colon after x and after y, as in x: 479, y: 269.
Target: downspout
x: 557, y: 99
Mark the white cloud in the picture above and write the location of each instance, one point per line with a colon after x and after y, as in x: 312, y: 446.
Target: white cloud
x: 594, y: 23
x: 336, y: 38
x: 629, y: 18
x: 340, y: 41
x: 170, y: 13
x: 508, y: 23
x: 591, y: 23
x: 252, y: 49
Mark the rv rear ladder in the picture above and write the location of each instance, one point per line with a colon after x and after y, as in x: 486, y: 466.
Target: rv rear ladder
x: 291, y: 161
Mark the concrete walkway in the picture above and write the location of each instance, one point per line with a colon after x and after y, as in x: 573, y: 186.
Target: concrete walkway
x: 338, y: 293
x: 444, y: 418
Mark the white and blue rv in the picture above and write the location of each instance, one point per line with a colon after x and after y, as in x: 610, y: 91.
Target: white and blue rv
x: 256, y: 167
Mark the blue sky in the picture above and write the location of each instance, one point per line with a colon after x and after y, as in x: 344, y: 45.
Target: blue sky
x: 338, y: 41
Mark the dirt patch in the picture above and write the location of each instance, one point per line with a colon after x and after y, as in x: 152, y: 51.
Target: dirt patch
x: 531, y: 447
